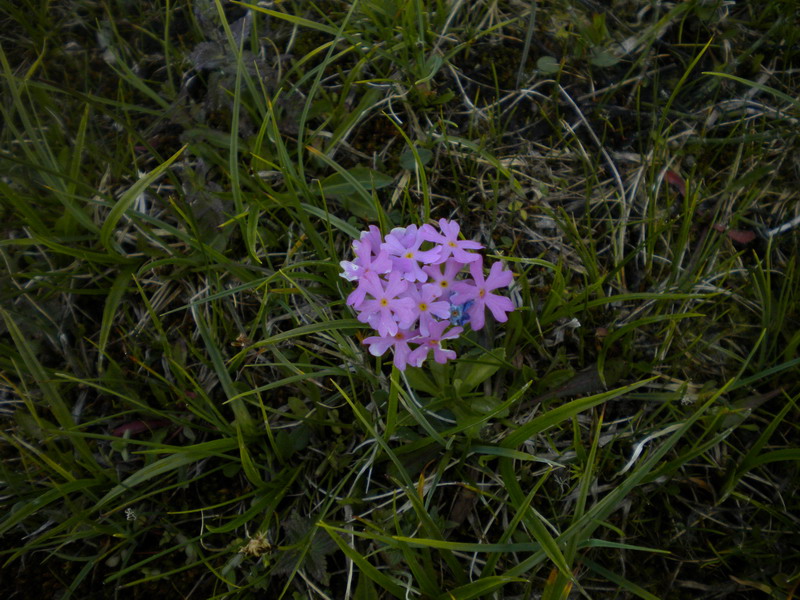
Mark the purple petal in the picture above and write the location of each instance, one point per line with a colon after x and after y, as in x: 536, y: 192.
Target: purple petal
x: 463, y: 256
x: 356, y: 297
x: 449, y: 228
x: 386, y: 323
x: 393, y: 246
x: 382, y: 263
x: 418, y: 355
x: 498, y: 277
x: 378, y: 345
x: 401, y: 356
x: 373, y: 285
x: 476, y: 315
x: 428, y: 256
x: 349, y: 270
x: 476, y: 270
x: 429, y: 234
x: 439, y: 309
x: 441, y: 356
x: 499, y: 305
x: 463, y: 292
x: 373, y: 235
x: 396, y: 285
x: 452, y: 333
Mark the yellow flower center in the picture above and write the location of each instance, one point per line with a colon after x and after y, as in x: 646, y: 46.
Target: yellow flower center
x: 409, y: 255
x: 384, y: 302
x: 482, y: 293
x: 423, y: 307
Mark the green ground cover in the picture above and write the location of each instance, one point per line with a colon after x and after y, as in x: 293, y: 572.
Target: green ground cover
x: 185, y: 405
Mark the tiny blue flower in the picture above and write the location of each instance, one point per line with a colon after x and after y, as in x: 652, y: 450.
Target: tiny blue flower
x: 458, y: 313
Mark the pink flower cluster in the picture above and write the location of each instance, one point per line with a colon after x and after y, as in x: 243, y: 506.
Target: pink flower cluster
x: 409, y: 292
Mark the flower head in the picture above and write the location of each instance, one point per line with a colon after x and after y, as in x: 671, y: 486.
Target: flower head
x: 444, y: 280
x: 366, y: 262
x: 480, y: 292
x: 433, y: 341
x: 408, y: 290
x: 387, y: 308
x: 398, y: 342
x: 403, y: 245
x: 426, y: 305
x: 450, y: 243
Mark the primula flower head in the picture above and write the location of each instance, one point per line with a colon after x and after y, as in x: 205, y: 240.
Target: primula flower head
x: 398, y: 342
x: 426, y: 305
x: 387, y: 309
x: 403, y: 245
x: 366, y: 262
x: 450, y: 244
x: 433, y: 341
x: 479, y: 292
x: 444, y: 280
x: 409, y: 290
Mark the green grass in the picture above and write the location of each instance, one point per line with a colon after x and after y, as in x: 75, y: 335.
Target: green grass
x: 185, y: 407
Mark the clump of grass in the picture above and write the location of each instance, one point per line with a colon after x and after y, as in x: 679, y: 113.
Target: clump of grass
x: 185, y: 404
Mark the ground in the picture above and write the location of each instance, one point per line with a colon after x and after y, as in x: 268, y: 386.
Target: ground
x: 186, y: 407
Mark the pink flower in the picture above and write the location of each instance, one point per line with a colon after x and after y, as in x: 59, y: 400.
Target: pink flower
x: 450, y: 244
x: 413, y: 317
x: 398, y: 342
x: 373, y: 235
x: 385, y: 310
x: 433, y: 341
x: 426, y: 305
x: 444, y: 281
x: 403, y: 245
x: 366, y: 262
x: 479, y: 291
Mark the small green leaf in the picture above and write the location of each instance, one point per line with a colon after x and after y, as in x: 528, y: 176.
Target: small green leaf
x: 548, y: 65
x: 407, y: 160
x: 419, y: 381
x: 487, y: 404
x: 620, y: 581
x: 759, y: 86
x: 603, y: 58
x: 564, y: 412
x: 364, y: 178
x: 334, y: 221
x: 432, y: 65
x: 473, y: 373
x: 472, y: 547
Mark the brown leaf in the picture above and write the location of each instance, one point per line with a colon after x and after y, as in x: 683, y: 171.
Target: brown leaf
x: 676, y: 180
x: 137, y: 427
x: 740, y: 236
